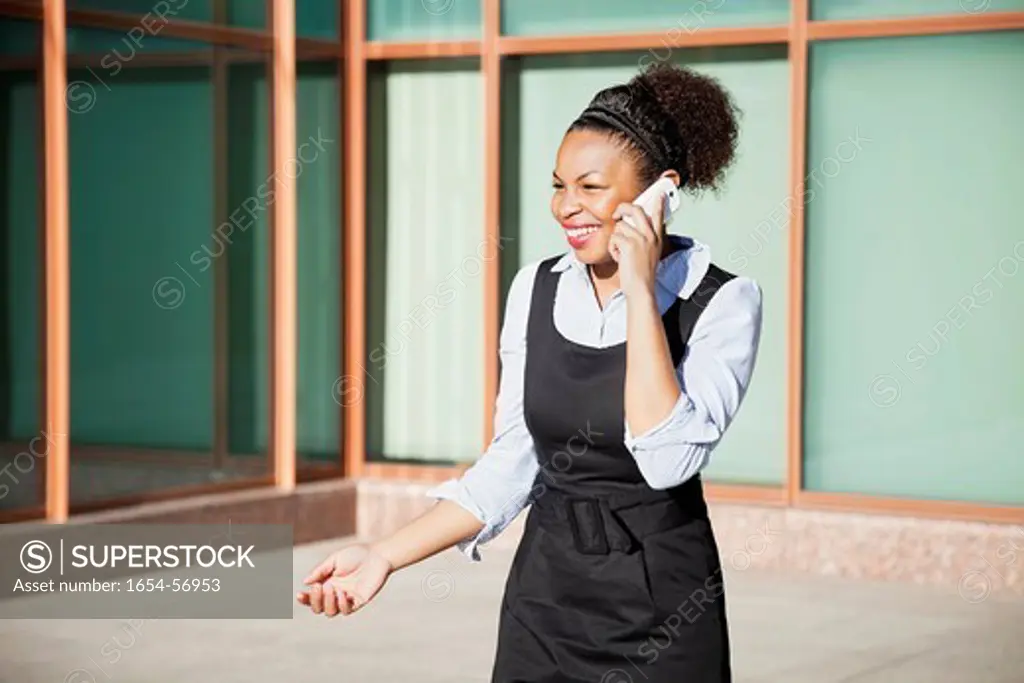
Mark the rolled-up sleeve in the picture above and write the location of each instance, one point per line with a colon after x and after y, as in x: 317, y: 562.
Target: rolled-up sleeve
x: 713, y: 379
x: 496, y: 488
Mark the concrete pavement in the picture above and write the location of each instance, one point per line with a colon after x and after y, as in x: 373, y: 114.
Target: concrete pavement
x: 436, y: 622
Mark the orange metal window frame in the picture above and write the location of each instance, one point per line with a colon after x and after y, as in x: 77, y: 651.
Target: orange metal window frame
x: 353, y: 52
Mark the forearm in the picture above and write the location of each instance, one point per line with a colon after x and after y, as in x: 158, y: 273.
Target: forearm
x: 651, y: 386
x: 438, y: 529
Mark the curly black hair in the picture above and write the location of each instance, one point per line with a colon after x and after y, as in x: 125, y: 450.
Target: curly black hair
x: 692, y: 118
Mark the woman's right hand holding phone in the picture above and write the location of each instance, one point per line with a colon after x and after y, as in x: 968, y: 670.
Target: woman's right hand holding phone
x: 345, y: 581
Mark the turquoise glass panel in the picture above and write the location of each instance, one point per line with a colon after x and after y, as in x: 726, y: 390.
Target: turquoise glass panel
x: 251, y: 184
x: 313, y: 18
x: 246, y: 14
x: 319, y: 269
x: 145, y: 259
x: 914, y: 378
x: 20, y: 291
x: 119, y: 48
x: 423, y: 377
x: 317, y: 18
x: 417, y: 20
x: 745, y: 226
x: 878, y: 9
x: 677, y: 20
x: 140, y: 203
x: 19, y: 38
x: 154, y: 15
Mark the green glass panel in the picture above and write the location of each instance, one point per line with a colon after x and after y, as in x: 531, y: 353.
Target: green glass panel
x: 747, y: 230
x: 155, y: 15
x: 319, y: 267
x: 677, y: 20
x: 400, y: 20
x: 915, y: 268
x: 140, y: 202
x: 248, y: 14
x: 19, y: 235
x: 118, y: 48
x: 317, y: 18
x: 744, y: 226
x: 20, y: 38
x: 424, y: 366
x: 313, y: 18
x: 877, y: 9
x: 144, y: 258
x: 20, y: 349
x: 251, y: 188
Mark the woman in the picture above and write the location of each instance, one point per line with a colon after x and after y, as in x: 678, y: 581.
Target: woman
x: 623, y: 362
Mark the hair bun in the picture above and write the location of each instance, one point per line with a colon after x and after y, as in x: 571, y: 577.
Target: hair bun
x: 701, y: 114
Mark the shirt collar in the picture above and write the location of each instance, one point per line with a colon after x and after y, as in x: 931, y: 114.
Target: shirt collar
x: 677, y: 275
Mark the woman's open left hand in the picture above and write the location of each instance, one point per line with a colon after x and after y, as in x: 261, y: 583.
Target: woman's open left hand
x: 636, y: 248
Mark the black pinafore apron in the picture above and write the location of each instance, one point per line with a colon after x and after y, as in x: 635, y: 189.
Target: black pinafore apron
x: 613, y: 581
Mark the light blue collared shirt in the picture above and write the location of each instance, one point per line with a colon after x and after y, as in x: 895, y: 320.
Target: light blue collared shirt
x: 713, y: 378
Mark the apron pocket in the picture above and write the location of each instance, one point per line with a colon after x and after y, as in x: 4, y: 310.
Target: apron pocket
x: 682, y: 572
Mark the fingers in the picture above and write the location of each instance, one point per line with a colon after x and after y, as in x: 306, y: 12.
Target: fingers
x: 339, y: 600
x: 635, y: 218
x: 347, y: 603
x: 349, y: 599
x: 316, y: 598
x: 615, y: 246
x: 629, y: 236
x: 625, y: 240
x: 321, y: 572
x: 330, y: 600
x: 326, y: 600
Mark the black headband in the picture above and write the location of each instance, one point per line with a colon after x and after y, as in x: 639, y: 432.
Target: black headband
x: 655, y: 148
x: 621, y: 123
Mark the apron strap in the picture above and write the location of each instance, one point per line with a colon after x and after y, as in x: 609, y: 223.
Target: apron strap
x: 689, y: 310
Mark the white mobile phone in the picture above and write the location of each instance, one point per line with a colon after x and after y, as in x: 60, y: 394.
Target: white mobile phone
x: 664, y: 189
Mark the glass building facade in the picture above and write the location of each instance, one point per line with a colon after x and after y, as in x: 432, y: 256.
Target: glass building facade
x: 241, y: 249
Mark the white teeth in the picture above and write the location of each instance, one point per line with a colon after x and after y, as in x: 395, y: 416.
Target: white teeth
x: 580, y: 232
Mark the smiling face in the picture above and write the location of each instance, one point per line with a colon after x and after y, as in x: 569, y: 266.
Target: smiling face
x: 593, y: 175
